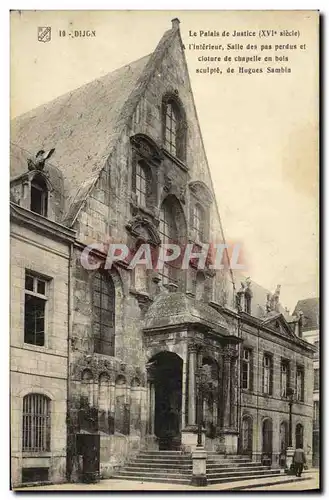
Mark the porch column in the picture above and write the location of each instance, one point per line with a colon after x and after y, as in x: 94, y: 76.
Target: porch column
x: 226, y: 389
x: 151, y: 401
x: 191, y: 414
x: 233, y: 399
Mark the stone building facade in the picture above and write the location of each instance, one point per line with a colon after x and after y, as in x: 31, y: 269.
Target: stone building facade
x: 308, y: 310
x: 146, y: 348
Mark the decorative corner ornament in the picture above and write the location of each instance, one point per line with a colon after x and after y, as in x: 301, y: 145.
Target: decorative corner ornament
x: 38, y: 162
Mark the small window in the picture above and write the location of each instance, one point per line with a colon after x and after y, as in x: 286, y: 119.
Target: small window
x: 267, y: 374
x: 34, y: 310
x: 300, y: 384
x: 36, y: 423
x: 141, y: 185
x: 39, y: 196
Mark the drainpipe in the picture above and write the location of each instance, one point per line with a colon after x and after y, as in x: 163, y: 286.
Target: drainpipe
x: 69, y: 334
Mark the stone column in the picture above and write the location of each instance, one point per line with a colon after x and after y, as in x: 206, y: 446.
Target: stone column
x: 233, y: 408
x: 229, y: 433
x: 191, y: 414
x: 227, y: 389
x: 151, y: 399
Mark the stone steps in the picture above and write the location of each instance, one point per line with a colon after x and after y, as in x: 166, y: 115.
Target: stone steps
x: 176, y: 467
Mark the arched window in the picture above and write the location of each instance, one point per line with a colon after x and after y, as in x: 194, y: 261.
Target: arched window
x: 299, y: 436
x: 174, y: 127
x: 39, y: 196
x: 36, y: 423
x: 103, y: 314
x: 198, y: 221
x: 168, y: 234
x: 141, y: 184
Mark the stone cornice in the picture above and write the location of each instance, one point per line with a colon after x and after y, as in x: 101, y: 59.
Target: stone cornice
x: 41, y: 224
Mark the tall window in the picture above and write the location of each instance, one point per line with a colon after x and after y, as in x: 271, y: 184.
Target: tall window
x: 284, y: 378
x: 171, y: 124
x: 316, y: 414
x: 36, y: 423
x: 141, y: 185
x: 198, y: 222
x: 316, y: 379
x: 104, y: 314
x: 34, y: 310
x: 168, y: 234
x: 299, y: 436
x: 267, y: 374
x: 246, y: 369
x: 39, y: 196
x: 300, y: 384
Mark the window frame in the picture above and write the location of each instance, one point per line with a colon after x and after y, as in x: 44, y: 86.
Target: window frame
x: 44, y: 196
x: 199, y: 216
x: 300, y: 397
x: 105, y: 281
x: 168, y: 234
x: 141, y: 194
x: 31, y: 420
x: 36, y: 277
x: 177, y: 118
x: 247, y: 363
x: 269, y: 368
x: 283, y: 390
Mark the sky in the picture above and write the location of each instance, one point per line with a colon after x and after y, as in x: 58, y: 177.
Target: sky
x: 260, y: 131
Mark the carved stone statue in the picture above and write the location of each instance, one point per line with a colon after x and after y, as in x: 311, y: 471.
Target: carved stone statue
x: 38, y: 163
x: 240, y: 297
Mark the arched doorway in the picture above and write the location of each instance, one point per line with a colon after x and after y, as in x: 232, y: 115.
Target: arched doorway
x: 284, y: 436
x: 299, y: 436
x: 267, y: 432
x: 246, y: 435
x: 167, y: 380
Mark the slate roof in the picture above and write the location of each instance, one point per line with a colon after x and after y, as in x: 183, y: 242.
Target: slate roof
x: 84, y: 125
x: 177, y: 308
x: 310, y: 308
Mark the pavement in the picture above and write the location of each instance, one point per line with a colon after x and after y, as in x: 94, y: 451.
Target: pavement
x: 309, y: 481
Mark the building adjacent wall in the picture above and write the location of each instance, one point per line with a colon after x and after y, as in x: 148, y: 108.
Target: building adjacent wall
x: 260, y: 406
x: 33, y: 368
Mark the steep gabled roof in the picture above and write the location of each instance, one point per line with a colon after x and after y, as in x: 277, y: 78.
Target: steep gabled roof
x: 84, y: 125
x: 310, y: 309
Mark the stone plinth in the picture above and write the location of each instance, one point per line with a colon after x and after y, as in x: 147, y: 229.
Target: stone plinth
x: 229, y: 441
x: 190, y: 438
x: 289, y: 460
x: 199, y: 465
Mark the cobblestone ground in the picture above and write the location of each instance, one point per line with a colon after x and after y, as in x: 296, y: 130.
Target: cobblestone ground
x: 311, y: 482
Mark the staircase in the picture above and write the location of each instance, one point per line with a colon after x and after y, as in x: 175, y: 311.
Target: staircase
x: 175, y: 467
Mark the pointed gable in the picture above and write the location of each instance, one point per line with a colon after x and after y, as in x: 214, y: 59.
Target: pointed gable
x: 278, y: 323
x: 82, y: 126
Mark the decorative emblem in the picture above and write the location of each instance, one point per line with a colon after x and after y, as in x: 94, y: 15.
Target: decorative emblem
x: 44, y: 33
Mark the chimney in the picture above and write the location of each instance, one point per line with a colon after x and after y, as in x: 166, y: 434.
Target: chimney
x: 175, y: 23
x: 300, y: 323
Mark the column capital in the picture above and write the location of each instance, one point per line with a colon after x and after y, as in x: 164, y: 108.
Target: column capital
x: 229, y: 352
x: 194, y: 347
